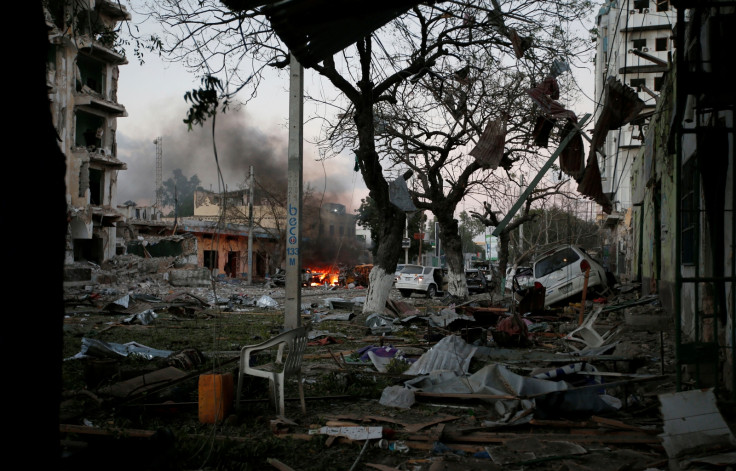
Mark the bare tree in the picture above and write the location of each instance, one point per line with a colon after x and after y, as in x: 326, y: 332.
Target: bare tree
x: 490, y: 218
x: 237, y: 44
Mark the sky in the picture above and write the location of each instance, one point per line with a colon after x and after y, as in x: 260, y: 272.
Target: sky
x: 255, y: 134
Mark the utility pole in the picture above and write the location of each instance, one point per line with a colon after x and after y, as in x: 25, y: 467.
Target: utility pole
x: 406, y: 236
x: 521, y: 226
x: 292, y: 318
x: 159, y: 172
x: 250, y: 229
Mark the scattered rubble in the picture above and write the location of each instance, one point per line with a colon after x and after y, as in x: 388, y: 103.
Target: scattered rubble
x: 475, y: 383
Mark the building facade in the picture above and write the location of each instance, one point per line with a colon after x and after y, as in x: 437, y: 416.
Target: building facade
x: 82, y: 80
x: 684, y: 199
x: 633, y: 45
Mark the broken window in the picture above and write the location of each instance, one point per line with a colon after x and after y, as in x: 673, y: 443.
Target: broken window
x: 210, y: 259
x: 660, y: 44
x: 96, y: 185
x: 93, y: 73
x: 638, y: 83
x: 641, y: 5
x: 639, y: 44
x: 113, y: 143
x: 83, y: 178
x: 89, y: 130
x: 555, y: 262
x: 663, y: 5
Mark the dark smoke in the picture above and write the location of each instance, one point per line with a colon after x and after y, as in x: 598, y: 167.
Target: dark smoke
x: 240, y: 142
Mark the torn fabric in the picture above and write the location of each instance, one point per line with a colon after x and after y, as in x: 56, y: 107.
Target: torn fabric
x: 622, y: 104
x: 542, y: 129
x: 572, y: 156
x: 545, y: 95
x: 398, y: 195
x: 489, y: 150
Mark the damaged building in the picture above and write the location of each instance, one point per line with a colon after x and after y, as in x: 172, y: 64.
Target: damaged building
x: 82, y: 80
x: 683, y: 196
x: 633, y: 44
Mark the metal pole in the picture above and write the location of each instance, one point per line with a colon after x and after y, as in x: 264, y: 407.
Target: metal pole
x: 250, y: 230
x: 535, y: 180
x: 406, y: 236
x: 292, y: 318
x: 521, y: 226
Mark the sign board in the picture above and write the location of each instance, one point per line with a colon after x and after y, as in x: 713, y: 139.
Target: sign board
x: 419, y: 235
x: 405, y: 243
x: 491, y: 248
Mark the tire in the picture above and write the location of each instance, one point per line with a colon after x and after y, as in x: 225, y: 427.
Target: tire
x: 431, y: 291
x: 405, y: 292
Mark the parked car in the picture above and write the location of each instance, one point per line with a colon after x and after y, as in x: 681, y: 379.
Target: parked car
x: 476, y: 280
x: 399, y: 267
x: 562, y: 272
x: 420, y: 279
x: 519, y: 278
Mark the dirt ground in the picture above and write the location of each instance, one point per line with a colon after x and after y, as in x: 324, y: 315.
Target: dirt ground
x: 156, y: 426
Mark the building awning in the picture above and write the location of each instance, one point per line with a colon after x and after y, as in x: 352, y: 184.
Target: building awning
x: 98, y: 51
x: 108, y: 107
x: 102, y: 157
x: 105, y: 217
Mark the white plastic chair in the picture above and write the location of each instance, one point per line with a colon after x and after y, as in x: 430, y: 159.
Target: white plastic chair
x: 294, y: 341
x: 586, y: 333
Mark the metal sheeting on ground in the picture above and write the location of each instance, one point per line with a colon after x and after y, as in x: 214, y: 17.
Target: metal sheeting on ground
x: 451, y: 353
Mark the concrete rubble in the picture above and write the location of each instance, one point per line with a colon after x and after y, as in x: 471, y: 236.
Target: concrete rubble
x: 571, y: 395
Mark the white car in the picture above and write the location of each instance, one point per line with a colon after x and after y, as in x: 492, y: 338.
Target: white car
x: 419, y: 279
x: 399, y: 267
x: 562, y: 272
x: 522, y: 275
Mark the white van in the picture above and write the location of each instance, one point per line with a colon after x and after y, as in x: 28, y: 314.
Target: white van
x: 562, y: 272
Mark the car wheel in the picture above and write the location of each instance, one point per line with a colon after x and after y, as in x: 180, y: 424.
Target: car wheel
x: 431, y: 291
x: 405, y: 292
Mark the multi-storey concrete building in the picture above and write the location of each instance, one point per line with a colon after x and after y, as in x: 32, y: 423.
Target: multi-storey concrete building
x: 82, y: 81
x: 634, y: 46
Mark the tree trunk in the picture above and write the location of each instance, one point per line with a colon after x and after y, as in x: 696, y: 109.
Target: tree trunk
x: 392, y: 219
x: 451, y: 242
x: 389, y: 250
x: 503, y: 253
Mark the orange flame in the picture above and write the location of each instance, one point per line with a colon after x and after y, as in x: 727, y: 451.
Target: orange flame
x: 323, y: 275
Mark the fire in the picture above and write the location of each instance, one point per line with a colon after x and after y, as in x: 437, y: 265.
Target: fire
x: 323, y: 275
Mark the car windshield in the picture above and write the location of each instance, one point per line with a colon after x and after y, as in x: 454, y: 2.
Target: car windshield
x: 412, y: 269
x: 555, y: 261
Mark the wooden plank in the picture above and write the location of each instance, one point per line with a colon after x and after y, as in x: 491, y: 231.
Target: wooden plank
x: 315, y: 356
x: 463, y: 395
x: 279, y: 465
x: 381, y: 467
x: 424, y: 445
x: 458, y: 436
x: 622, y: 425
x: 417, y: 427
